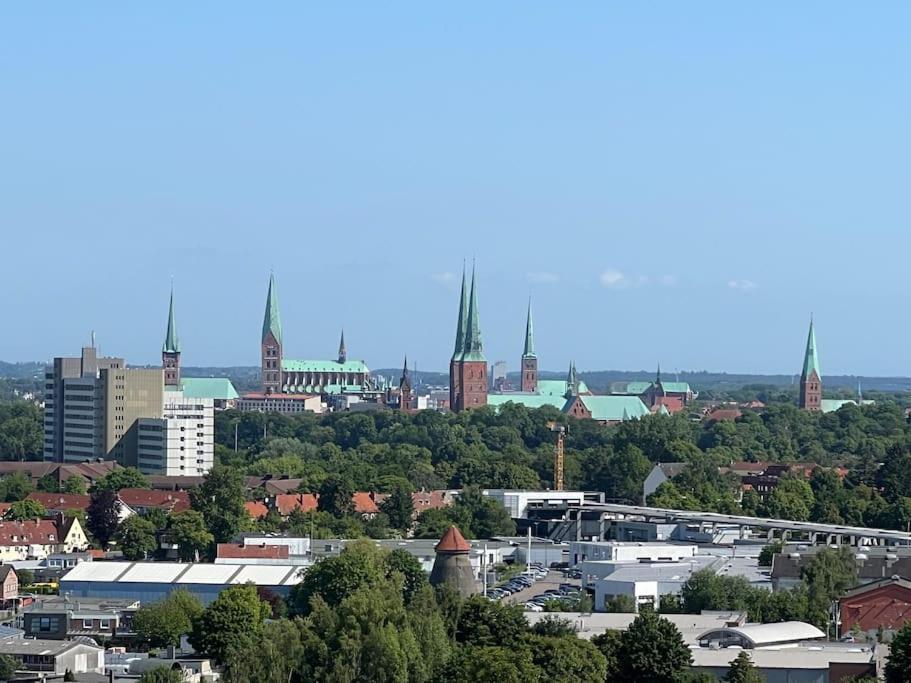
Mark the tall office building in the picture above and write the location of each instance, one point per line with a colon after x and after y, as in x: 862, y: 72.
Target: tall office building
x: 74, y: 407
x: 179, y: 443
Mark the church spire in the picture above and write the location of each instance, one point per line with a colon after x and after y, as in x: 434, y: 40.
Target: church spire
x: 272, y: 321
x: 658, y: 374
x: 810, y: 358
x: 342, y: 351
x: 462, y: 323
x: 474, y: 350
x: 171, y: 341
x: 529, y: 351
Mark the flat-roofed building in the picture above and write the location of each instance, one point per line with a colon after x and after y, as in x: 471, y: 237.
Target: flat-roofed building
x: 54, y: 656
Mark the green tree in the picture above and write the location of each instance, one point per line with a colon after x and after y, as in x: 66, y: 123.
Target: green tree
x: 8, y: 666
x: 610, y: 646
x: 620, y: 604
x: 220, y: 499
x: 827, y: 576
x: 898, y: 668
x: 103, y: 516
x: 121, y: 478
x: 73, y: 484
x: 136, y: 538
x: 162, y: 674
x: 768, y: 552
x: 792, y: 498
x: 16, y: 486
x: 485, y: 623
x: 335, y: 578
x: 164, y: 622
x: 235, y: 613
x: 48, y: 484
x: 554, y: 627
x: 189, y: 532
x: 568, y: 659
x: 336, y: 496
x: 399, y: 508
x: 652, y: 649
x: 26, y: 509
x: 414, y: 578
x: 742, y: 670
x: 491, y: 664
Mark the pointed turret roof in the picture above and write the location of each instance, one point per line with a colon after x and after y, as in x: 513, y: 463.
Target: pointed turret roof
x: 658, y: 374
x: 474, y: 349
x: 342, y: 351
x: 171, y: 341
x: 453, y: 542
x: 572, y: 383
x: 810, y: 359
x: 272, y: 321
x: 463, y: 320
x: 405, y: 380
x: 529, y: 351
x: 860, y: 394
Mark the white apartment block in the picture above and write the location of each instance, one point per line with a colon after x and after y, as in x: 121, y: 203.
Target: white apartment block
x: 181, y: 442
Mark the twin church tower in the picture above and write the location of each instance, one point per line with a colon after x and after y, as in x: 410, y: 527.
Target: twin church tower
x: 468, y: 382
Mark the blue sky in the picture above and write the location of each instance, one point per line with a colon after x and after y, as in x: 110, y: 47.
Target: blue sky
x: 682, y: 182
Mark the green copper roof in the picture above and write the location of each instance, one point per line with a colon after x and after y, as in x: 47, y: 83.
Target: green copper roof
x: 528, y: 400
x: 462, y: 323
x: 216, y: 388
x: 636, y: 388
x: 810, y: 359
x: 171, y: 342
x: 272, y: 321
x: 830, y: 405
x: 289, y: 365
x: 676, y: 387
x: 612, y: 408
x: 557, y: 387
x: 474, y: 350
x: 529, y: 351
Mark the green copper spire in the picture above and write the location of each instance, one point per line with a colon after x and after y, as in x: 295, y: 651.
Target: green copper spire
x: 529, y: 351
x: 463, y: 321
x: 474, y: 350
x: 171, y: 342
x: 272, y: 321
x: 342, y: 349
x: 810, y: 359
x: 571, y: 381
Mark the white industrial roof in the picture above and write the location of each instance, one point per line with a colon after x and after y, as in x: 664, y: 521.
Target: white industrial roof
x: 783, y: 658
x: 184, y: 573
x: 769, y: 634
x: 691, y: 626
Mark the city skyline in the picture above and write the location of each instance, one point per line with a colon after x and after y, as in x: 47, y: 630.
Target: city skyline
x: 683, y: 186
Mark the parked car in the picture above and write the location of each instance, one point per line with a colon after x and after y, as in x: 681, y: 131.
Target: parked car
x: 533, y: 607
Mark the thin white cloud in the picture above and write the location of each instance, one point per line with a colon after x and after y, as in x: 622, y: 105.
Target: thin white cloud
x: 613, y: 279
x: 669, y: 280
x: 444, y: 278
x: 745, y: 285
x: 543, y: 277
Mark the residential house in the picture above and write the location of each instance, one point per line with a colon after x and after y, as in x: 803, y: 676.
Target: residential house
x: 61, y: 502
x: 62, y: 618
x: 142, y: 500
x: 36, y: 539
x: 879, y: 606
x: 54, y: 656
x: 662, y: 472
x: 9, y: 584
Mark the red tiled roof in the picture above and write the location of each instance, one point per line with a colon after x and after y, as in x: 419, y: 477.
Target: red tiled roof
x: 61, y: 501
x: 38, y: 532
x: 366, y: 503
x: 719, y: 414
x: 430, y: 500
x: 256, y: 509
x: 674, y: 404
x: 258, y: 552
x: 286, y: 502
x: 453, y: 542
x: 172, y: 501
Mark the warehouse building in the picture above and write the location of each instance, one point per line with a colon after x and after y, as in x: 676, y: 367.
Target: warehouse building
x: 153, y: 581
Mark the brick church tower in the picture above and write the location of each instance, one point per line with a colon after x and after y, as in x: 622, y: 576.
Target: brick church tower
x: 170, y: 350
x: 271, y: 345
x: 810, y: 378
x: 529, y: 359
x: 468, y: 367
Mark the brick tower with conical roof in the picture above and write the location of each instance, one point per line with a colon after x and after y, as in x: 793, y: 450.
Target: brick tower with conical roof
x: 452, y: 565
x: 170, y: 350
x: 271, y: 345
x: 810, y: 377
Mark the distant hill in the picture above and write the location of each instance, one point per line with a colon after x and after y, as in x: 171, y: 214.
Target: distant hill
x: 21, y: 370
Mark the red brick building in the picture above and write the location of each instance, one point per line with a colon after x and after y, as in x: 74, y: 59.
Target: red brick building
x: 882, y: 604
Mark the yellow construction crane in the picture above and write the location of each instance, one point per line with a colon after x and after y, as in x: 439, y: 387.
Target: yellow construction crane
x: 560, y: 431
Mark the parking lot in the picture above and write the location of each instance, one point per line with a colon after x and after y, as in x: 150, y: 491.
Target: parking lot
x: 544, y: 581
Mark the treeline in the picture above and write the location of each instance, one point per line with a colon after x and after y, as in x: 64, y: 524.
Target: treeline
x: 513, y: 448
